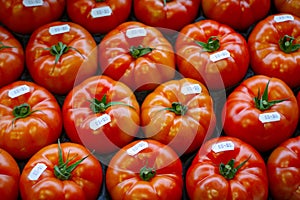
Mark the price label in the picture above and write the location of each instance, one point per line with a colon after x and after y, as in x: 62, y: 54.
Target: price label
x: 136, y: 32
x: 223, y: 146
x: 18, y: 91
x: 269, y: 117
x: 137, y: 148
x: 54, y: 30
x: 100, y: 121
x: 283, y: 18
x: 32, y: 3
x: 101, y: 12
x: 191, y: 89
x: 37, y: 171
x: 219, y: 55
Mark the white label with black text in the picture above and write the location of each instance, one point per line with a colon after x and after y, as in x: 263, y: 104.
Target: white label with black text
x: 191, y: 89
x: 136, y: 32
x: 32, y: 3
x: 54, y: 30
x: 219, y: 55
x: 137, y: 148
x: 283, y: 18
x: 269, y: 117
x: 100, y: 121
x: 37, y: 171
x: 223, y: 146
x: 18, y: 91
x: 101, y: 12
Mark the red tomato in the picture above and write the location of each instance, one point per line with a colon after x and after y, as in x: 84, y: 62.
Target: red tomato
x: 9, y: 176
x: 11, y: 58
x: 274, y: 46
x: 288, y: 6
x: 99, y: 16
x: 102, y: 114
x: 179, y: 113
x: 212, y: 53
x: 298, y: 101
x: 227, y: 168
x: 145, y: 169
x: 138, y: 55
x: 239, y: 14
x: 60, y: 55
x: 261, y: 111
x: 24, y: 16
x: 30, y: 119
x: 284, y: 170
x: 61, y: 172
x: 170, y: 14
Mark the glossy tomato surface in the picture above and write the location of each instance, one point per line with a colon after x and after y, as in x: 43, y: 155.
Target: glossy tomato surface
x: 288, y: 6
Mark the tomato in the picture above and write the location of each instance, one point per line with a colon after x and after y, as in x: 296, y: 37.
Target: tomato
x: 9, y: 176
x: 24, y: 16
x: 138, y: 55
x: 261, y: 111
x: 11, y: 57
x: 212, y: 53
x: 99, y: 16
x: 60, y: 55
x: 284, y: 170
x: 170, y: 14
x: 298, y: 101
x: 102, y: 114
x: 288, y: 6
x: 227, y: 168
x: 239, y: 14
x: 274, y: 46
x: 30, y: 119
x: 179, y: 113
x: 145, y: 169
x: 61, y: 171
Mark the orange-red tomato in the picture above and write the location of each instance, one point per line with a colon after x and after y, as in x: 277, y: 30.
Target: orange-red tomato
x: 288, y: 6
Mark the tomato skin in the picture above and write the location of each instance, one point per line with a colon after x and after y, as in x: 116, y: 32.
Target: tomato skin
x: 24, y: 20
x: 204, y: 181
x: 298, y: 101
x: 22, y: 137
x: 174, y: 15
x: 85, y: 181
x: 78, y: 115
x: 9, y: 176
x: 288, y: 6
x: 194, y: 62
x: 11, y: 58
x: 241, y: 116
x: 239, y: 14
x: 79, y: 12
x: 144, y: 72
x: 267, y: 58
x: 71, y: 68
x: 123, y: 180
x: 182, y: 132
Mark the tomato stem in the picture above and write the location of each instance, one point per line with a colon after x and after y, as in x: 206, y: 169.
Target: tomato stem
x: 286, y: 44
x: 213, y: 44
x: 2, y: 46
x: 139, y: 51
x: 22, y: 111
x: 228, y: 170
x: 165, y: 2
x: 178, y: 108
x: 147, y: 173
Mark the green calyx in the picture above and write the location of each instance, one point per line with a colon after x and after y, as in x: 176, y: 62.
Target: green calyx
x: 178, y: 108
x: 147, y: 173
x: 22, y: 111
x: 286, y: 44
x: 2, y: 46
x: 213, y: 44
x: 262, y: 101
x: 139, y: 51
x: 166, y: 1
x: 228, y: 170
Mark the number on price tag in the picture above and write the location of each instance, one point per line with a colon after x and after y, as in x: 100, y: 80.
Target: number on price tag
x: 54, y: 30
x: 136, y: 32
x: 283, y: 18
x: 100, y: 121
x: 137, y: 148
x: 32, y: 3
x: 269, y: 117
x: 37, y: 171
x: 223, y: 146
x: 219, y: 56
x: 18, y: 91
x: 101, y: 12
x: 191, y: 89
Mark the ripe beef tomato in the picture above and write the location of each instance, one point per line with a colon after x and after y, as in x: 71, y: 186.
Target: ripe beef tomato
x: 61, y: 172
x: 274, y: 46
x: 227, y: 168
x: 30, y: 119
x: 212, y: 53
x: 138, y: 55
x: 169, y: 14
x: 261, y: 111
x: 24, y: 16
x: 99, y: 16
x: 284, y: 170
x: 61, y: 54
x: 239, y: 14
x: 288, y: 6
x: 102, y: 114
x: 145, y: 169
x: 9, y: 176
x: 179, y: 113
x: 11, y: 57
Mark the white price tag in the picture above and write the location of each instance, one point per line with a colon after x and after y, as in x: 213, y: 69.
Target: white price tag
x: 100, y: 121
x: 54, y: 30
x: 137, y: 148
x: 136, y: 32
x: 269, y: 117
x: 191, y: 89
x: 37, y: 171
x: 219, y: 55
x: 223, y: 146
x: 32, y: 3
x: 101, y: 12
x: 283, y: 18
x: 18, y: 91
